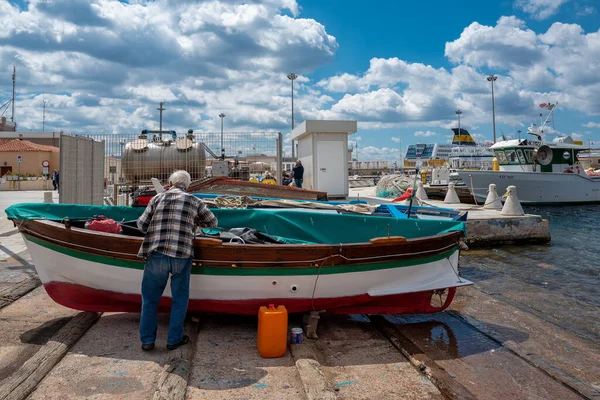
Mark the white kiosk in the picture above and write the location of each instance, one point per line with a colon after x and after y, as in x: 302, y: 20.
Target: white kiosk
x: 323, y: 151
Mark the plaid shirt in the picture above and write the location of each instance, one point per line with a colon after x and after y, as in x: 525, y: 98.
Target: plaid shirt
x: 169, y: 222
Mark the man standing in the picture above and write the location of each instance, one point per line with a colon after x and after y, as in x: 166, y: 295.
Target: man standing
x: 169, y: 222
x: 298, y: 171
x: 55, y: 179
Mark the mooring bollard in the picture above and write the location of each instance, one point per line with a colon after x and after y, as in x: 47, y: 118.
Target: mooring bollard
x: 451, y: 196
x: 421, y: 193
x: 512, y: 206
x: 493, y: 201
x: 48, y: 197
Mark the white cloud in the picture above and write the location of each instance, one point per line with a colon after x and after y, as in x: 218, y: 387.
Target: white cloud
x: 201, y: 58
x: 379, y: 153
x: 425, y: 134
x: 396, y: 140
x: 540, y: 9
x: 592, y: 125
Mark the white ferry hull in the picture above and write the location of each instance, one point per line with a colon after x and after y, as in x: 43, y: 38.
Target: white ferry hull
x: 535, y: 187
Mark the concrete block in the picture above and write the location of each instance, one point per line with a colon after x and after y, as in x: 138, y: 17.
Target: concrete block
x: 451, y: 196
x: 512, y: 206
x: 493, y: 201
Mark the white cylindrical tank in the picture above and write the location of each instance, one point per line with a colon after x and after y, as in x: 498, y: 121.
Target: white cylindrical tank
x: 143, y: 160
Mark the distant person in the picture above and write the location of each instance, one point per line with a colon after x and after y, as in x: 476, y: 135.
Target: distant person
x: 298, y: 171
x: 287, y: 179
x: 169, y: 222
x: 55, y: 179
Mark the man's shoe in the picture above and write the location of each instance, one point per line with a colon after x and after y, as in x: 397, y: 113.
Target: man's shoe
x: 184, y: 340
x: 147, y: 346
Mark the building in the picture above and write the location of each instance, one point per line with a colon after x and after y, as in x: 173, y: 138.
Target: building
x: 43, y: 138
x: 368, y: 167
x: 430, y: 154
x: 33, y: 157
x: 7, y: 126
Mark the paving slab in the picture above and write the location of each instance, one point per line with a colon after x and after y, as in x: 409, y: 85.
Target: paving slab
x: 576, y: 356
x: 25, y: 326
x: 482, y: 365
x: 227, y: 365
x: 360, y: 363
x: 108, y: 363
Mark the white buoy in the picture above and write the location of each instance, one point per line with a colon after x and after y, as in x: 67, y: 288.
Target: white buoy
x: 421, y: 193
x: 48, y: 197
x: 451, y: 196
x: 493, y: 201
x: 512, y: 206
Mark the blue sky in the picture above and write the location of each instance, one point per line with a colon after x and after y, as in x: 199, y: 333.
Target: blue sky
x: 401, y: 68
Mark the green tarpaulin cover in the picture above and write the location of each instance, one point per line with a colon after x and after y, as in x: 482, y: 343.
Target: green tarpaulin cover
x: 306, y: 226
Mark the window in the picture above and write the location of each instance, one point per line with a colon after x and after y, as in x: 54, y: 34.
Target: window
x: 511, y: 156
x: 501, y: 157
x: 521, y: 156
x: 528, y: 156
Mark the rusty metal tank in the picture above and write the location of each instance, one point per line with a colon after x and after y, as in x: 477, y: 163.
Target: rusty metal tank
x: 143, y: 160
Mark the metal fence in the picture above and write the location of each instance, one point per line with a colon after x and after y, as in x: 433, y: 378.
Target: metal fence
x: 81, y: 170
x: 131, y: 160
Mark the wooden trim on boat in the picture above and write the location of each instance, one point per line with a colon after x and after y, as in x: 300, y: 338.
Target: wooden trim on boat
x: 217, y: 254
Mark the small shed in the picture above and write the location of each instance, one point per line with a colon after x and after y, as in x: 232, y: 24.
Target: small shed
x: 323, y: 151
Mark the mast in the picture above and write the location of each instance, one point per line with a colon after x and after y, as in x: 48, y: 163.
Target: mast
x: 14, y: 77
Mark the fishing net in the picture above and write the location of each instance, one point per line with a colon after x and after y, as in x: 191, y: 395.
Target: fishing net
x: 392, y: 186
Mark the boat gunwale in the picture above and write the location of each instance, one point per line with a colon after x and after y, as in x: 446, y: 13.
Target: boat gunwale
x: 223, y: 255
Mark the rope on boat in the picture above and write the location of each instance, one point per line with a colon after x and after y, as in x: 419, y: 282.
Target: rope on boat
x: 455, y: 270
x: 317, y: 260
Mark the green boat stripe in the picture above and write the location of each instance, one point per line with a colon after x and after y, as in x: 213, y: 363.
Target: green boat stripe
x: 246, y: 271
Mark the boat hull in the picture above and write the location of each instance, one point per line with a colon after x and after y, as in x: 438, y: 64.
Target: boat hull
x: 83, y: 277
x: 536, y: 187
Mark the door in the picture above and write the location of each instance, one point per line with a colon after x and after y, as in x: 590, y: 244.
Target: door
x: 331, y: 167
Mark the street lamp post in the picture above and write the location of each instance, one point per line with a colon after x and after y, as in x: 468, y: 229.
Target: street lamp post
x: 222, y: 116
x: 458, y: 113
x: 44, y: 118
x: 161, y: 109
x: 292, y: 77
x: 492, y: 79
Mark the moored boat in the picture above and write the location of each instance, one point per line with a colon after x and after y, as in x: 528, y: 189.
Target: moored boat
x: 338, y: 263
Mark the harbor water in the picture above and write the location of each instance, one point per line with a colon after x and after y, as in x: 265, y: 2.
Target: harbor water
x: 558, y: 282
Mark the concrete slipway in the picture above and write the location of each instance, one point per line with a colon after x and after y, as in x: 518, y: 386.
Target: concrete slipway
x: 483, y: 347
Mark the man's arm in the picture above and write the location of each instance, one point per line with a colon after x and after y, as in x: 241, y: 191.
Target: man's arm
x: 205, y: 217
x: 143, y: 222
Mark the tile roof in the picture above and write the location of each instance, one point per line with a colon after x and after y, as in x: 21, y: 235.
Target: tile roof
x: 20, y: 145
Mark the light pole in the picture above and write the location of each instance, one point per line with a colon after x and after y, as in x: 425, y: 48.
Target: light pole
x: 292, y: 77
x: 161, y: 109
x: 44, y: 118
x: 458, y: 113
x: 491, y: 79
x: 222, y: 116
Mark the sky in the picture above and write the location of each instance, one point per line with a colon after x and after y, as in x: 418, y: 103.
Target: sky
x: 400, y: 68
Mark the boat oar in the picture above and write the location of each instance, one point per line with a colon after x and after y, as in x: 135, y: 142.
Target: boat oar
x: 412, y: 195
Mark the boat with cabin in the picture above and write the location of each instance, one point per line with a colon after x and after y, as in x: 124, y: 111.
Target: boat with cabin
x: 544, y: 172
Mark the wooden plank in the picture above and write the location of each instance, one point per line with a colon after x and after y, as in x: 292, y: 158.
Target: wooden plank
x: 448, y: 386
x: 311, y: 373
x: 12, y: 292
x: 577, y: 385
x: 173, y: 380
x: 24, y: 381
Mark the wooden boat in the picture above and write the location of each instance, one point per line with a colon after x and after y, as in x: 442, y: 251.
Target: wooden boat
x: 338, y: 263
x: 339, y: 207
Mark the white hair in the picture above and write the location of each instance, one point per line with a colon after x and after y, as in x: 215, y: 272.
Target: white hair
x: 180, y: 178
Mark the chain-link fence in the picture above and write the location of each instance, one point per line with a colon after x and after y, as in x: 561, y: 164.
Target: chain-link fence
x: 132, y: 160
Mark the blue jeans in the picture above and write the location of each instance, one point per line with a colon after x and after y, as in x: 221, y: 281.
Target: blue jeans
x: 298, y: 183
x: 156, y: 274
